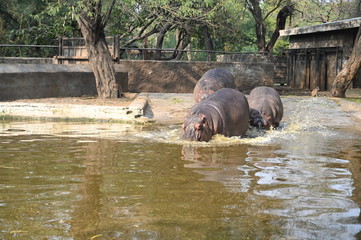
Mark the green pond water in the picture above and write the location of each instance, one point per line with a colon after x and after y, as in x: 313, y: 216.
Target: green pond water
x: 116, y: 181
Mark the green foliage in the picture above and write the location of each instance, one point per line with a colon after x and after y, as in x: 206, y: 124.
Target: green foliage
x: 230, y: 23
x: 34, y: 22
x: 311, y: 12
x: 280, y: 46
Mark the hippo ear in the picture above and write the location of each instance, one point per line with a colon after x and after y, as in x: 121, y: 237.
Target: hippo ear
x: 183, y: 126
x: 253, y: 112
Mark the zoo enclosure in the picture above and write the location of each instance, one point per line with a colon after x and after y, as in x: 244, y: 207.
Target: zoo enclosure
x: 73, y: 51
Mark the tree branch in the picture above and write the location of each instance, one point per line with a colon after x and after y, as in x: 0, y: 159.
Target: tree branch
x: 153, y: 31
x: 85, y: 21
x: 146, y: 26
x: 274, y: 9
x: 107, y: 15
x: 282, y: 15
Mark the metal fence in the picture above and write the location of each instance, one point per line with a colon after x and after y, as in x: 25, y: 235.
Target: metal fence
x: 73, y: 50
x: 175, y: 54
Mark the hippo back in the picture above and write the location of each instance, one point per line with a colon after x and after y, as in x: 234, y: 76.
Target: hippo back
x: 229, y: 112
x: 267, y: 102
x: 211, y: 81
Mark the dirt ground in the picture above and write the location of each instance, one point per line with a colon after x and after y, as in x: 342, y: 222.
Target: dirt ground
x: 129, y: 97
x: 162, y: 108
x: 287, y: 91
x: 86, y: 100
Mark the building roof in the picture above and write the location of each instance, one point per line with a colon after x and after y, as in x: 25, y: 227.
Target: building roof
x: 331, y: 26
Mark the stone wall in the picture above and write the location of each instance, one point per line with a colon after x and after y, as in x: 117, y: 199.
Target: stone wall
x: 181, y: 77
x: 19, y: 81
x: 279, y: 63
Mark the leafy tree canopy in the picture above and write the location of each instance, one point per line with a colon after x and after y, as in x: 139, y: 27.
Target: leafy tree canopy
x: 228, y: 23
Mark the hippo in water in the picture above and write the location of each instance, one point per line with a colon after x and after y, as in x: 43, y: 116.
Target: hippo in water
x: 225, y: 112
x: 266, y: 108
x: 211, y: 81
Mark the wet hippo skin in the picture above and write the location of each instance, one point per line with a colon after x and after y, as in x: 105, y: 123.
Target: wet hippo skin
x: 266, y: 108
x: 211, y: 81
x: 225, y: 112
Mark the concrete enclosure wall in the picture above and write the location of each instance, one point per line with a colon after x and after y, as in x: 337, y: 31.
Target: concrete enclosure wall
x: 25, y: 60
x: 181, y: 77
x: 279, y: 63
x: 19, y: 81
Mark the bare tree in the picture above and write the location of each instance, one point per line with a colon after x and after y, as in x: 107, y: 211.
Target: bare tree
x: 347, y: 74
x: 92, y: 23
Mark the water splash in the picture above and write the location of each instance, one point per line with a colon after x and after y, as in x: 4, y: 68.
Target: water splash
x: 302, y: 116
x: 308, y: 116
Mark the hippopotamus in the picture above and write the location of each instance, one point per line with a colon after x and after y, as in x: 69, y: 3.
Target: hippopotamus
x: 225, y: 112
x: 266, y: 108
x: 211, y: 81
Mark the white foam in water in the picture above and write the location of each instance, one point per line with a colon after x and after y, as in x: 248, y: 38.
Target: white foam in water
x: 309, y: 116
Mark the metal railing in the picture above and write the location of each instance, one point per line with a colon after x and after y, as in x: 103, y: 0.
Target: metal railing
x: 135, y: 53
x: 73, y: 48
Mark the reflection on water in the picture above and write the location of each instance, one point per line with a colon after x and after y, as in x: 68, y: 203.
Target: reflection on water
x: 114, y: 181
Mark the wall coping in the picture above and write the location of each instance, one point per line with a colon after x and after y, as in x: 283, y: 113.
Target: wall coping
x: 331, y: 26
x: 46, y: 68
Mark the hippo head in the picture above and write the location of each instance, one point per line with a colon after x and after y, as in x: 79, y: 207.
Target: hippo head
x: 196, y: 128
x: 255, y: 118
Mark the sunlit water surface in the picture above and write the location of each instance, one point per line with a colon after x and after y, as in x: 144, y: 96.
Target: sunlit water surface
x: 119, y: 181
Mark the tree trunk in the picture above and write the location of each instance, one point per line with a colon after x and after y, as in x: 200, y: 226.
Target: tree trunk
x: 208, y: 42
x: 185, y: 42
x: 179, y: 37
x: 255, y: 9
x: 103, y: 68
x: 184, y: 38
x: 160, y: 39
x: 346, y: 75
x: 282, y: 15
x: 92, y: 29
